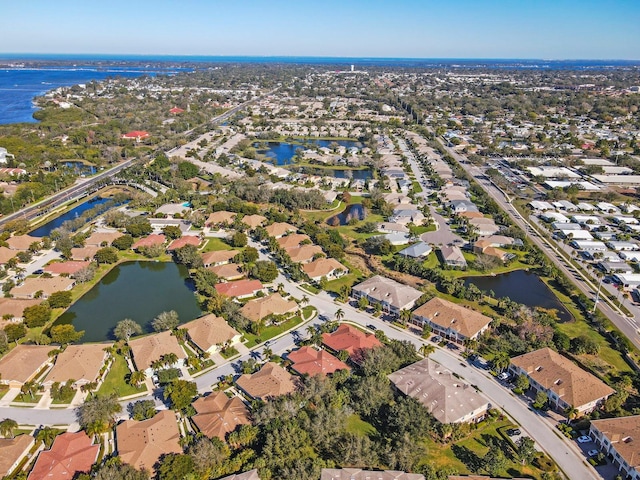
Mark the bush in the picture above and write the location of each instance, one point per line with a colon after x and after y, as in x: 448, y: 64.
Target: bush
x: 167, y: 375
x: 543, y: 463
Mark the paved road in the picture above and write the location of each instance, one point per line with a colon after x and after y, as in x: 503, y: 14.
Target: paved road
x: 583, y: 283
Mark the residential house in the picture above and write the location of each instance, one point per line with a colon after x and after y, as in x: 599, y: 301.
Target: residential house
x: 328, y: 268
x: 450, y: 320
x: 6, y: 254
x: 149, y: 241
x: 220, y: 218
x: 359, y: 474
x: 217, y: 414
x: 351, y: 340
x: 69, y: 268
x: 304, y: 253
x: 393, y: 296
x: 23, y: 364
x: 269, y: 382
x: 486, y: 248
x: 452, y: 257
x: 136, y: 135
x: 628, y: 281
x: 146, y: 350
x: 460, y: 206
x: 484, y: 226
x: 142, y: 444
x: 184, y: 241
x: 171, y: 209
x: 12, y: 309
x: 250, y: 475
x: 218, y: 257
x: 240, y: 289
x: 418, y: 250
x: 260, y: 308
x: 310, y: 361
x: 293, y: 240
x: 210, y: 332
x: 81, y: 363
x: 253, y: 221
x: 405, y: 215
x: 389, y: 227
x: 565, y: 383
x: 101, y: 239
x: 70, y: 454
x: 397, y: 239
x: 279, y: 229
x: 618, y: 439
x: 447, y: 397
x: 41, y: 287
x: 21, y: 242
x: 228, y: 271
x: 590, y: 246
x: 12, y: 451
x: 84, y: 253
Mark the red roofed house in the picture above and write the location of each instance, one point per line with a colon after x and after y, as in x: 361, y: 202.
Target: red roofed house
x: 70, y: 454
x: 69, y: 268
x: 176, y: 111
x: 136, y: 135
x: 240, y: 289
x: 350, y: 339
x: 153, y: 239
x: 218, y: 414
x: 184, y: 240
x: 309, y: 361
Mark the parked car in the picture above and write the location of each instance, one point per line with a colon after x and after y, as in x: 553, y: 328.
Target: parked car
x: 503, y: 376
x: 38, y: 271
x: 584, y: 439
x: 512, y: 432
x: 372, y: 327
x: 592, y: 453
x: 436, y: 339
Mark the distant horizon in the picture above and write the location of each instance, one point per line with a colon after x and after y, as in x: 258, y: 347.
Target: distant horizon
x: 340, y: 57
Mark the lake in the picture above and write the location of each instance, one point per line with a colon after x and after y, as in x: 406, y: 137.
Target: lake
x: 46, y: 229
x: 522, y: 287
x: 136, y: 290
x: 352, y: 211
x: 283, y: 152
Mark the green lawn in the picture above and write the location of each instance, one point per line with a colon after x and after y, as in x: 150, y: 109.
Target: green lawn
x: 358, y: 426
x: 271, y: 331
x: 214, y: 244
x: 116, y: 380
x: 27, y: 399
x: 464, y: 453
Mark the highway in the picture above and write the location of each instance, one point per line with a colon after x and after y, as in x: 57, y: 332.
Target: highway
x: 583, y: 283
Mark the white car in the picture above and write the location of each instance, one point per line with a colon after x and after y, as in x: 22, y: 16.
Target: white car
x: 584, y: 439
x: 592, y: 453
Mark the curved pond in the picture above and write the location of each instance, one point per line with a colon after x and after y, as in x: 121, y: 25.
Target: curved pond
x: 522, y: 287
x: 135, y: 290
x: 46, y: 229
x: 283, y: 152
x: 355, y: 210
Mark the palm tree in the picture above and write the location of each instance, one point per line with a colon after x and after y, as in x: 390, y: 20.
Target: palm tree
x: 169, y: 358
x: 46, y: 435
x: 339, y: 314
x: 7, y: 426
x: 137, y: 378
x: 426, y: 350
x: 30, y: 388
x: 304, y: 300
x: 157, y: 364
x: 571, y: 412
x: 267, y: 353
x: 501, y: 361
x: 405, y: 316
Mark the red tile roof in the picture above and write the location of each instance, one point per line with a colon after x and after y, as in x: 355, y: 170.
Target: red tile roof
x: 70, y: 453
x: 136, y: 134
x: 350, y: 339
x: 309, y: 361
x: 152, y: 239
x: 185, y: 240
x: 70, y: 268
x: 176, y: 110
x: 240, y: 288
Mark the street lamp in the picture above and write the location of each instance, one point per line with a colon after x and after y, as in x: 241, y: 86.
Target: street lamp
x: 595, y: 303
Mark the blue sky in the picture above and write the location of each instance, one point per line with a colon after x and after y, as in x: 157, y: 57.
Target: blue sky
x: 548, y: 29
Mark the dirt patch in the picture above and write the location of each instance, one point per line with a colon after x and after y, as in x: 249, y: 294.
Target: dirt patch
x: 370, y: 264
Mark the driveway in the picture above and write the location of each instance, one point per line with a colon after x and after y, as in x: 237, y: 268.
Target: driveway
x: 443, y: 235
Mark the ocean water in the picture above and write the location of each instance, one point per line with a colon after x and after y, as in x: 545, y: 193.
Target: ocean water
x: 18, y: 86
